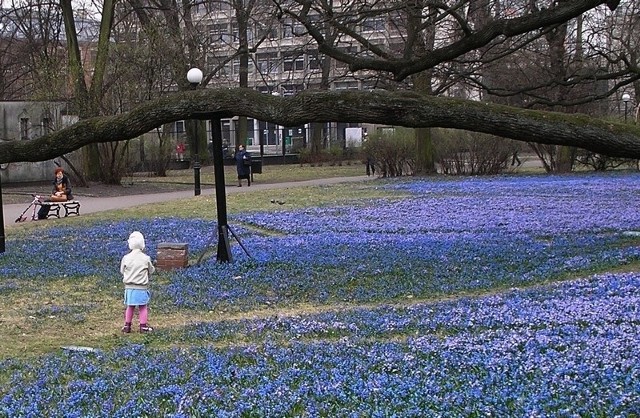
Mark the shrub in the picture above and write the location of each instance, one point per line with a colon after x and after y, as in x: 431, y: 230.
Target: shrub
x: 466, y: 153
x: 393, y: 152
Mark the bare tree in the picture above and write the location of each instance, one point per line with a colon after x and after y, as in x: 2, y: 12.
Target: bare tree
x: 443, y: 47
x: 32, y: 59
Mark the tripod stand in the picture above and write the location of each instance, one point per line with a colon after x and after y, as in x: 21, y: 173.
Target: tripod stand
x: 224, y: 240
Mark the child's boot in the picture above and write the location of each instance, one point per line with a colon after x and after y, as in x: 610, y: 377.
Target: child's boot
x: 144, y: 328
x: 127, y: 327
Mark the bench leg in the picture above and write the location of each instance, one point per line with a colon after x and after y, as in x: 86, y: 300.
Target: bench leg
x: 71, y: 209
x: 54, y: 211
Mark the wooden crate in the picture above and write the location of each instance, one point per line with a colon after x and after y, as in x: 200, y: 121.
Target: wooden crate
x: 172, y: 255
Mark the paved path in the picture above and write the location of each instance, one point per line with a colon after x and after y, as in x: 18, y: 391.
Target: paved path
x: 99, y: 204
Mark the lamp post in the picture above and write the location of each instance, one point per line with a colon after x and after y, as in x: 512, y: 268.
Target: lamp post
x: 281, y: 132
x: 625, y: 98
x: 2, y: 242
x: 194, y: 77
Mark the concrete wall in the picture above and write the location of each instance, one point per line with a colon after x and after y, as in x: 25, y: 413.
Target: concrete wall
x: 23, y: 120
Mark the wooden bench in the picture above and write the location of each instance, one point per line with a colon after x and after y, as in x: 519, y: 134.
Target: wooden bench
x: 71, y: 207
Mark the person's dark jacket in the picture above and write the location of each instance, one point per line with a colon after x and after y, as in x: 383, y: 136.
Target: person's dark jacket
x: 66, y: 186
x: 243, y: 170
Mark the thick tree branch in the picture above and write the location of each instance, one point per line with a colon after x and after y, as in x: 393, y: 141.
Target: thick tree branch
x: 390, y: 108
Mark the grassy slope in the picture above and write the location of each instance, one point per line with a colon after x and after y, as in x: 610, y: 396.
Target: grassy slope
x: 30, y: 329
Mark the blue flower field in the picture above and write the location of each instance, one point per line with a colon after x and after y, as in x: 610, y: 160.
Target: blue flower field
x: 508, y: 296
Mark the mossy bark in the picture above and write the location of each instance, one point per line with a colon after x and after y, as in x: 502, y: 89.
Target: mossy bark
x: 407, y: 109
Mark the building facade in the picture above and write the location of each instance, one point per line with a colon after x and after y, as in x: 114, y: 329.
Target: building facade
x: 285, y: 61
x: 24, y: 120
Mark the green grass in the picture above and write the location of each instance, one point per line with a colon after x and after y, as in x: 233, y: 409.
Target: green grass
x: 44, y: 330
x: 270, y: 174
x: 204, y: 206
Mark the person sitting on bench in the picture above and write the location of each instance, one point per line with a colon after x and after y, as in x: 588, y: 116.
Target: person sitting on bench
x: 61, y: 192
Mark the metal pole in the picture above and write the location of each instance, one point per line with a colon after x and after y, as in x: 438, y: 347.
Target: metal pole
x: 224, y: 249
x: 196, y: 160
x: 196, y: 152
x: 2, y: 244
x: 194, y: 77
x: 260, y: 137
x: 284, y: 150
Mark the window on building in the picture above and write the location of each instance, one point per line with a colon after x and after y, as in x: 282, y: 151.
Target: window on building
x: 251, y: 133
x: 200, y: 8
x: 224, y: 71
x: 251, y: 35
x: 287, y: 28
x: 235, y: 32
x: 294, y: 62
x: 268, y: 133
x: 291, y: 28
x: 226, y: 130
x: 268, y: 63
x: 291, y: 89
x: 217, y: 6
x: 219, y: 32
x: 180, y: 127
x: 373, y: 24
x: 313, y: 59
x: 299, y: 29
x: 236, y: 66
x: 266, y: 31
x: 46, y: 126
x: 346, y: 85
x: 24, y: 128
x: 369, y: 85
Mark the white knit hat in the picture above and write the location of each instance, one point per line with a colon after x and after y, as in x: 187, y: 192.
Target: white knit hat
x: 136, y: 241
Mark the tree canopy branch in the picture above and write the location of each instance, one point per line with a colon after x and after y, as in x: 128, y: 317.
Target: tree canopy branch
x: 407, y: 109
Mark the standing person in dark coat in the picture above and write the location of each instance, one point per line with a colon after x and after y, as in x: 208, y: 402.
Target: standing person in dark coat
x: 243, y: 165
x: 515, y: 160
x: 371, y: 166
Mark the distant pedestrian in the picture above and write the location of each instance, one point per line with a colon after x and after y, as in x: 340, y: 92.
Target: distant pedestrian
x: 180, y: 149
x: 371, y: 166
x: 243, y: 165
x: 515, y: 159
x: 136, y: 269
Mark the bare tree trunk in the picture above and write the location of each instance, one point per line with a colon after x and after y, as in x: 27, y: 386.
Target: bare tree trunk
x: 556, y: 38
x: 242, y: 17
x: 422, y: 41
x: 87, y: 102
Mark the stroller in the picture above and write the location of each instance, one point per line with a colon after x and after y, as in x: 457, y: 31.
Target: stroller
x: 37, y: 200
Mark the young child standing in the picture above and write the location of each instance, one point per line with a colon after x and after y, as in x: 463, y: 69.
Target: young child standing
x: 136, y: 268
